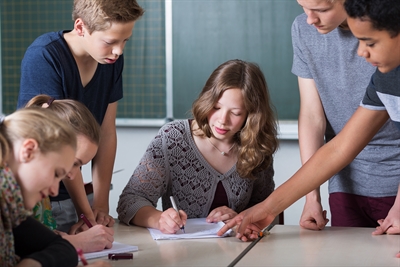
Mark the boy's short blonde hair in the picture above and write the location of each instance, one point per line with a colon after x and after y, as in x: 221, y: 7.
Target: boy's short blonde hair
x: 99, y: 14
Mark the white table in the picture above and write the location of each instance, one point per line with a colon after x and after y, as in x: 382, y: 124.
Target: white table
x: 285, y: 246
x: 334, y: 246
x: 184, y: 252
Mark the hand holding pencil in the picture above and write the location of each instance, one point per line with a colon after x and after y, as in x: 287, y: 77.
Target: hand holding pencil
x: 172, y: 220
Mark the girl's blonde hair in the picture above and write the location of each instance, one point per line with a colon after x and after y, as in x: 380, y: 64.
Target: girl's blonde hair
x: 257, y: 140
x: 40, y: 124
x: 73, y: 112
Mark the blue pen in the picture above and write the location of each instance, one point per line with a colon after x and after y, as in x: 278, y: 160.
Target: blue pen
x: 176, y: 208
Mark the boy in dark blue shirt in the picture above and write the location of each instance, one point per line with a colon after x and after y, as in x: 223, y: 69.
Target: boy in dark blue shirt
x: 84, y: 64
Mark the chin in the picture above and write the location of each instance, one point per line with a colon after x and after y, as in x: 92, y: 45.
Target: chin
x: 385, y: 69
x: 29, y: 207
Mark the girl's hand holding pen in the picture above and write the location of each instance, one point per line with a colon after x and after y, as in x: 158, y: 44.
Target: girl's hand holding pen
x: 82, y: 225
x: 171, y: 221
x: 97, y: 238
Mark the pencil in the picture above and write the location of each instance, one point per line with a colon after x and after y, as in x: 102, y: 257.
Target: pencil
x: 81, y: 256
x: 176, y: 208
x: 83, y: 217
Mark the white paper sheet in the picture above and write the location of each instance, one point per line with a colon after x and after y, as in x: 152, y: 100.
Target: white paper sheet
x: 116, y: 248
x: 194, y: 228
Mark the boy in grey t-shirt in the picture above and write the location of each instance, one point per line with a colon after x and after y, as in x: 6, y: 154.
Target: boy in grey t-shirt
x: 376, y: 24
x: 332, y: 81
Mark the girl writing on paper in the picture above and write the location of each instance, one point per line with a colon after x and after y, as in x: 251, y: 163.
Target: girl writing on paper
x: 37, y: 150
x: 87, y: 130
x: 216, y: 164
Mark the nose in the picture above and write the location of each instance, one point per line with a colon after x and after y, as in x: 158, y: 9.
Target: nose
x: 223, y: 118
x: 118, y: 49
x: 362, y: 51
x: 53, y: 190
x: 312, y: 18
x: 72, y: 173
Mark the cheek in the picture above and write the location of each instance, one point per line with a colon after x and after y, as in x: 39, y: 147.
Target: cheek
x: 211, y: 117
x: 238, y: 121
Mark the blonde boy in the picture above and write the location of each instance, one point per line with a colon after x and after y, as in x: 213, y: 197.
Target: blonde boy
x: 84, y: 64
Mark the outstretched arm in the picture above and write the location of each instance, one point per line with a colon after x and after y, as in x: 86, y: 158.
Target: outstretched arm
x: 328, y: 160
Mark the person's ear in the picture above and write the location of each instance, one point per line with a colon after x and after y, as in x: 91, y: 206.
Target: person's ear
x: 79, y: 27
x: 28, y: 150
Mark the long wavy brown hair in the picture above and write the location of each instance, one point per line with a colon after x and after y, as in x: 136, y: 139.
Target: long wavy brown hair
x: 257, y: 140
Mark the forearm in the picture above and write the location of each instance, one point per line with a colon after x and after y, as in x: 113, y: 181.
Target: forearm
x: 78, y: 195
x: 312, y: 125
x: 328, y: 160
x: 102, y: 167
x: 311, y: 138
x: 312, y: 121
x: 309, y: 177
x: 147, y: 217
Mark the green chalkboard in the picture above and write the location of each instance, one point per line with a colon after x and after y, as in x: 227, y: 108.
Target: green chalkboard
x: 144, y: 71
x: 205, y: 33
x: 208, y: 33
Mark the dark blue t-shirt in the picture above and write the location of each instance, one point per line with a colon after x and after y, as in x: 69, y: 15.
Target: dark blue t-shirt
x: 48, y: 67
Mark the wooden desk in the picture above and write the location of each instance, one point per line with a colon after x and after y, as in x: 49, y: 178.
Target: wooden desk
x: 334, y: 246
x: 285, y: 246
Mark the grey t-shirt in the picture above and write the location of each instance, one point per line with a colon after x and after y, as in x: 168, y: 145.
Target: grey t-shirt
x: 342, y: 77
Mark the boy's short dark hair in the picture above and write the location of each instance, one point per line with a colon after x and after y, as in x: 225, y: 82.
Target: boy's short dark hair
x: 383, y: 14
x: 99, y: 14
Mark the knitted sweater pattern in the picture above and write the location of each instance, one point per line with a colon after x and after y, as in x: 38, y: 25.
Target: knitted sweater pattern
x: 173, y: 165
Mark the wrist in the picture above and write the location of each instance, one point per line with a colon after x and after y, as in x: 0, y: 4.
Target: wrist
x: 313, y: 196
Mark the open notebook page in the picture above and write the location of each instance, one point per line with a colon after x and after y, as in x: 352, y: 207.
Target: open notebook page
x: 194, y: 228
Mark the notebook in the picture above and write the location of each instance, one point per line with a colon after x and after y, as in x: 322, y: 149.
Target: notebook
x: 194, y: 228
x: 116, y: 248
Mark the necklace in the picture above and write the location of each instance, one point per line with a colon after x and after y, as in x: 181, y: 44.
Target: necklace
x: 222, y: 152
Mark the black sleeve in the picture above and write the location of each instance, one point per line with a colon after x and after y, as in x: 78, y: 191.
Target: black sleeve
x: 35, y: 241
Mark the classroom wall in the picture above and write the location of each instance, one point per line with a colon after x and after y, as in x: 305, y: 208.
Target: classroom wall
x: 133, y: 141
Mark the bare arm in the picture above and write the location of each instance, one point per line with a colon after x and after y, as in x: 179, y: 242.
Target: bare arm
x: 147, y: 216
x: 102, y: 167
x: 77, y: 192
x: 328, y: 160
x: 312, y: 126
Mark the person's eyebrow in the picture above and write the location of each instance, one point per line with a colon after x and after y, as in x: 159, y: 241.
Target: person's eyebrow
x: 364, y: 38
